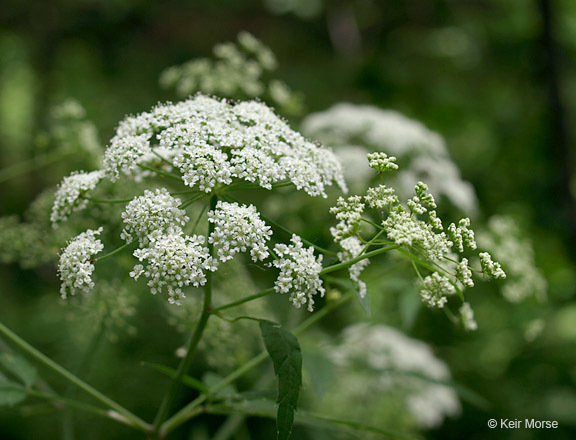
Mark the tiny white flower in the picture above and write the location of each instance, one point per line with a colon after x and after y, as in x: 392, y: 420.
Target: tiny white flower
x: 75, y: 267
x: 173, y: 262
x: 352, y: 249
x: 152, y: 212
x: 491, y: 267
x: 381, y: 162
x: 238, y: 228
x: 299, y: 273
x: 69, y: 192
x: 435, y: 289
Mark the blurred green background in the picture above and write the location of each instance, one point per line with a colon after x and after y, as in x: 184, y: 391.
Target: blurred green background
x: 497, y: 78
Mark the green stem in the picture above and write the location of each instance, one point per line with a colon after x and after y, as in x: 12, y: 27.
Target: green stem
x: 115, y: 251
x: 111, y: 201
x: 361, y: 257
x: 192, y: 409
x: 70, y: 403
x: 129, y: 417
x: 193, y: 343
x: 244, y: 300
x: 26, y: 166
x: 162, y: 173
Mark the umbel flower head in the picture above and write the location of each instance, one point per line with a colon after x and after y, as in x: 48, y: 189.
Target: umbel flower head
x: 69, y: 192
x: 213, y: 142
x: 75, y: 268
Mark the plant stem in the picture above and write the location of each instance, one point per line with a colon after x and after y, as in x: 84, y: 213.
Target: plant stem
x: 192, y: 409
x: 162, y: 173
x: 129, y: 417
x: 114, y: 252
x: 244, y: 300
x: 26, y: 166
x: 193, y: 343
x: 361, y: 257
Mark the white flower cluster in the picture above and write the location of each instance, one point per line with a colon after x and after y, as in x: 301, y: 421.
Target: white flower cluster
x: 173, y: 261
x: 418, y: 229
x: 349, y: 212
x: 216, y: 141
x: 237, y: 71
x: 153, y: 212
x: 69, y: 192
x: 238, y: 228
x: 435, y: 290
x: 491, y: 267
x: 299, y: 273
x: 374, y: 360
x: 355, y: 130
x: 515, y: 251
x: 353, y: 248
x: 381, y: 162
x: 75, y: 267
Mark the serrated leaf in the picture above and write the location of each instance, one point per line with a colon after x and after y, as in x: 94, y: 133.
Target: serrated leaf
x: 11, y: 393
x: 19, y: 367
x: 284, y: 350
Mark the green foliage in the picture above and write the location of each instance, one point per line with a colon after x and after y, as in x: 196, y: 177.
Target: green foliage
x: 284, y: 350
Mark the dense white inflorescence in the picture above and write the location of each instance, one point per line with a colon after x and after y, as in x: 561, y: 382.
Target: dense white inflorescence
x: 355, y: 130
x: 435, y: 289
x: 491, y: 267
x: 353, y: 248
x: 69, y: 194
x: 215, y: 142
x: 377, y: 359
x: 75, y: 267
x: 238, y: 228
x: 153, y: 212
x: 173, y: 261
x: 299, y: 273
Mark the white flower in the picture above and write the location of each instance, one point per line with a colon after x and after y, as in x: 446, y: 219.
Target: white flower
x: 354, y: 130
x: 69, y: 192
x: 75, y: 267
x: 216, y: 142
x: 172, y: 262
x: 381, y: 162
x: 349, y: 212
x: 299, y: 273
x: 462, y: 235
x: 404, y: 229
x: 467, y: 317
x: 123, y: 154
x: 464, y: 274
x: 491, y: 267
x: 154, y: 211
x: 381, y: 197
x: 352, y: 249
x: 435, y: 289
x: 238, y: 228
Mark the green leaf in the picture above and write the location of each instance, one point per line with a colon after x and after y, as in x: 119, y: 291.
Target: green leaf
x: 19, y: 367
x: 284, y: 350
x: 186, y: 380
x: 11, y: 393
